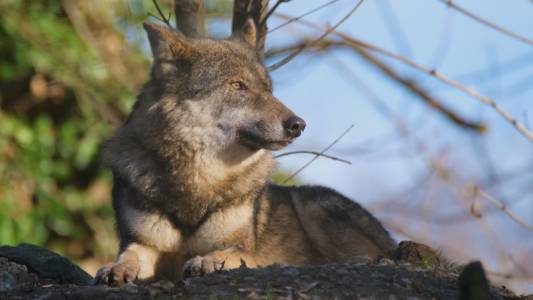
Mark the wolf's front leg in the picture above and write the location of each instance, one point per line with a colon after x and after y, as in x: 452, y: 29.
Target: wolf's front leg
x: 136, y: 262
x: 226, y: 259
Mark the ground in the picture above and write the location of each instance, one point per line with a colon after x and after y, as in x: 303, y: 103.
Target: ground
x: 30, y: 272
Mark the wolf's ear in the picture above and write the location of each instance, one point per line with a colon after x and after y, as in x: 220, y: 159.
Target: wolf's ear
x: 248, y: 33
x: 166, y: 43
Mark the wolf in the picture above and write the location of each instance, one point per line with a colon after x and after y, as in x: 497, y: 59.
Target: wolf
x: 191, y: 168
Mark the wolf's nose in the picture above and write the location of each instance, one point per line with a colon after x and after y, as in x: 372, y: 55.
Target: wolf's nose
x: 294, y: 126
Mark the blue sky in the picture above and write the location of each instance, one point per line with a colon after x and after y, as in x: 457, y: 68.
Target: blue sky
x: 330, y: 105
x: 437, y: 37
x: 313, y: 87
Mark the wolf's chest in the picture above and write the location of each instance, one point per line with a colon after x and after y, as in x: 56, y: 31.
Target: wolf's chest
x: 232, y: 226
x: 227, y: 227
x: 152, y: 229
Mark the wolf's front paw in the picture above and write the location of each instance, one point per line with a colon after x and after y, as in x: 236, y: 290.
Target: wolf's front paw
x: 116, y: 274
x: 201, y: 265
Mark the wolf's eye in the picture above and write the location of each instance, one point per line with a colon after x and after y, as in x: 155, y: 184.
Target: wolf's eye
x: 239, y: 85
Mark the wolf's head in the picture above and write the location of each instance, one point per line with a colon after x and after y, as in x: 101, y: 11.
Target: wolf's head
x: 214, y: 94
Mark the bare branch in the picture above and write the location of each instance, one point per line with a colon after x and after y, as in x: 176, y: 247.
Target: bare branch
x: 315, y: 153
x: 451, y: 179
x: 430, y: 100
x: 502, y: 207
x: 303, y: 15
x: 271, y: 11
x: 190, y: 17
x: 433, y: 73
x: 518, y: 277
x: 161, y: 17
x: 487, y: 23
x: 410, y: 85
x: 444, y: 173
x: 318, y: 155
x: 455, y: 84
x: 326, y: 33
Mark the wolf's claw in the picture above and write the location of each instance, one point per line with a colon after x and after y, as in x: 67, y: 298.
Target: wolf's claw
x: 201, y: 265
x: 116, y: 274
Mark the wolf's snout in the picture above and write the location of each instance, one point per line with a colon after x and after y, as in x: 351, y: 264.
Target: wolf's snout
x: 294, y: 126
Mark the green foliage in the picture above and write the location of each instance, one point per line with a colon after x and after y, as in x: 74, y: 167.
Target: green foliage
x: 60, y: 98
x: 280, y: 177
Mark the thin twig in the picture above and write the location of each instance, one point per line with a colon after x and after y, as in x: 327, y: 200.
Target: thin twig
x: 162, y: 16
x: 271, y: 11
x: 318, y: 155
x: 410, y: 85
x: 302, y: 15
x: 433, y: 73
x: 510, y: 276
x: 326, y: 33
x: 315, y: 153
x: 426, y: 96
x: 448, y: 177
x: 444, y: 173
x: 487, y: 23
x: 455, y: 84
x: 158, y: 18
x: 435, y: 166
x: 502, y: 207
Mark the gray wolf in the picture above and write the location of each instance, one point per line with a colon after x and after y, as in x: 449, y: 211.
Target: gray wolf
x: 191, y: 169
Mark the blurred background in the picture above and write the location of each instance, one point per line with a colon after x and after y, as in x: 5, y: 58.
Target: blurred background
x: 435, y: 164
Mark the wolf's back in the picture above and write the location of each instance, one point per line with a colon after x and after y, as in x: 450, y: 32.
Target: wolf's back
x: 332, y: 228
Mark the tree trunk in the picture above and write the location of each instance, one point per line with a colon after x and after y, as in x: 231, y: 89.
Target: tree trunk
x: 190, y: 17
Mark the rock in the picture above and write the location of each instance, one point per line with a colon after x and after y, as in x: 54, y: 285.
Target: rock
x: 13, y: 276
x: 7, y: 282
x: 164, y: 285
x: 385, y: 262
x: 473, y: 283
x: 361, y: 260
x: 342, y: 271
x: 46, y: 264
x: 420, y: 254
x: 291, y: 272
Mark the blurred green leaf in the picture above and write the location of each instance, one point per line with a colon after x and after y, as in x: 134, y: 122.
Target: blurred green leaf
x: 66, y: 82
